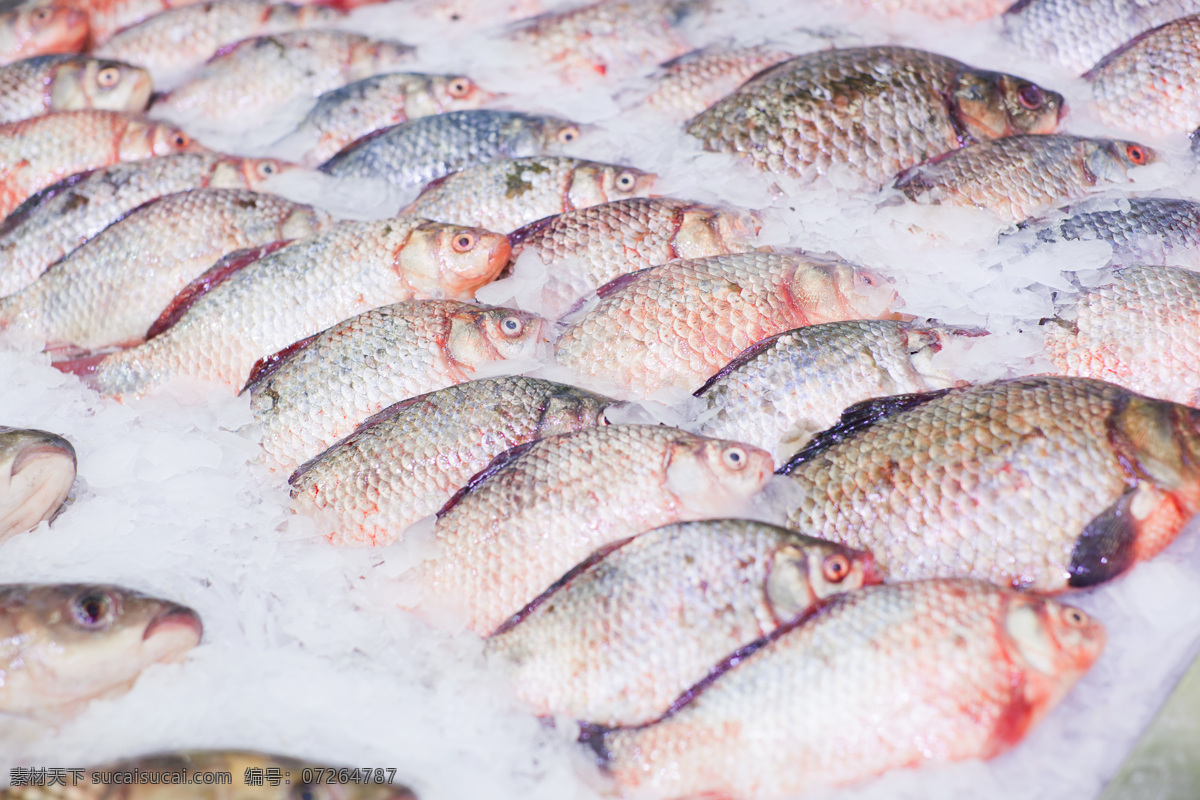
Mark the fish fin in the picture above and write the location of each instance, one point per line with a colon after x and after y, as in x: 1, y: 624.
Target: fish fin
x: 518, y: 237
x: 620, y: 282
x: 497, y: 464
x: 858, y: 417
x: 593, y: 735
x: 739, y: 360
x: 1105, y: 548
x: 332, y: 162
x: 83, y: 366
x: 267, y: 366
x: 22, y: 212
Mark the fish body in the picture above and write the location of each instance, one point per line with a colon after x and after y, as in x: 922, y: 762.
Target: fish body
x: 1020, y: 176
x: 586, y: 248
x: 694, y: 81
x: 425, y: 149
x: 873, y: 111
x: 28, y: 31
x: 780, y: 392
x: 37, y: 471
x: 1141, y: 331
x: 315, y: 395
x: 1043, y: 483
x: 882, y: 678
x: 540, y: 509
x: 62, y: 645
x: 40, y: 84
x: 38, y: 152
x: 111, y: 290
x: 676, y: 325
x: 302, y: 289
x: 406, y: 462
x: 1152, y: 83
x: 620, y: 638
x: 1142, y: 230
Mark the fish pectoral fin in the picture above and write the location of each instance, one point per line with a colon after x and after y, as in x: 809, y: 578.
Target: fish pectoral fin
x: 1106, y: 547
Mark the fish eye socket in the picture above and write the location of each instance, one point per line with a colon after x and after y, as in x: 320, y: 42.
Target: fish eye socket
x: 179, y: 140
x: 41, y: 15
x: 459, y: 88
x: 512, y: 326
x: 1074, y: 618
x: 626, y: 181
x: 92, y: 610
x: 734, y: 457
x: 568, y: 135
x: 1030, y: 96
x: 267, y: 169
x: 836, y: 568
x: 108, y: 77
x: 464, y: 242
x: 1137, y: 153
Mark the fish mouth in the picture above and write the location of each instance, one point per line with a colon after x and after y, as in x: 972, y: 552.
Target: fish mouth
x: 870, y: 572
x: 40, y: 478
x: 176, y: 630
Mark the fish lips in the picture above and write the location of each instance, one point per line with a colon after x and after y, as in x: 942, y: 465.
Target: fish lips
x: 173, y: 631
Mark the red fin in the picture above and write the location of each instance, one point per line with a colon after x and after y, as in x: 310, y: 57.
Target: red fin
x: 83, y: 366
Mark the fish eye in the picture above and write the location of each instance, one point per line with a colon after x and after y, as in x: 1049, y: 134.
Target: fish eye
x: 92, y: 610
x: 267, y: 168
x: 41, y: 15
x: 108, y: 77
x: 512, y: 326
x: 179, y: 140
x: 1031, y: 96
x: 1074, y: 618
x: 459, y: 88
x: 568, y: 135
x: 835, y: 568
x: 626, y: 181
x: 734, y: 457
x: 1137, y: 154
x: 464, y: 242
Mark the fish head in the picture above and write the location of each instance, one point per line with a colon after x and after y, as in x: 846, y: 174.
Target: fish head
x: 991, y: 105
x: 833, y: 291
x: 455, y: 258
x: 145, y: 139
x: 552, y: 132
x: 55, y: 27
x: 570, y: 409
x: 922, y: 344
x: 713, y: 477
x: 593, y: 184
x: 806, y: 571
x: 706, y: 231
x: 247, y: 173
x: 1159, y: 441
x: 480, y: 334
x: 458, y: 93
x: 37, y: 470
x: 1109, y: 160
x: 100, y: 84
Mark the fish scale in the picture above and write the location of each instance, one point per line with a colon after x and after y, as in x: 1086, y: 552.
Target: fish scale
x: 694, y: 81
x: 37, y: 85
x: 1141, y: 230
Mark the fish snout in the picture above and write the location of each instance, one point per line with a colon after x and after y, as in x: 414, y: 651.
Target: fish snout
x: 173, y: 631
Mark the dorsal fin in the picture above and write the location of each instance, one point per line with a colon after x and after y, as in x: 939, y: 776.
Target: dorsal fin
x: 369, y: 422
x: 856, y: 418
x: 620, y: 282
x: 497, y: 464
x: 22, y: 212
x: 742, y: 358
x: 517, y: 238
x: 267, y: 366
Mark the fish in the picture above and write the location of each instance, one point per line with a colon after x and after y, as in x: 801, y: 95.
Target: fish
x: 300, y: 290
x: 674, y: 326
x: 539, y: 509
x: 1078, y: 33
x: 1045, y: 483
x: 36, y: 153
x: 308, y: 397
x: 691, y: 83
x: 34, y: 86
x: 432, y: 147
x: 62, y: 645
x: 37, y: 471
x: 505, y: 194
x: 967, y: 10
x: 1151, y: 84
x: 29, y: 31
x: 110, y: 291
x: 883, y: 678
x: 181, y: 39
x: 344, y: 116
x: 265, y: 73
x: 1020, y: 176
x: 1140, y: 331
x: 780, y: 392
x: 407, y: 461
x: 58, y: 219
x: 588, y: 247
x: 871, y: 111
x: 619, y: 638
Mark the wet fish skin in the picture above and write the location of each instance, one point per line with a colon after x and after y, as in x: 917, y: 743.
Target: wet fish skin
x: 619, y: 639
x: 694, y: 81
x: 411, y: 458
x: 61, y: 217
x: 36, y: 85
x: 514, y: 529
x: 303, y: 289
x: 37, y: 471
x: 872, y: 110
x: 885, y: 677
x: 1020, y: 176
x: 780, y: 392
x: 29, y: 31
x: 674, y: 326
x: 110, y: 291
x: 1043, y: 483
x: 1141, y: 331
x: 62, y: 645
x: 322, y: 392
x: 586, y: 248
x: 1141, y: 230
x: 1152, y: 84
x: 38, y: 152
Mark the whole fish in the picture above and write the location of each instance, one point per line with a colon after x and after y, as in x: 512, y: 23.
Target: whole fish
x: 1020, y: 176
x: 303, y: 289
x: 30, y: 31
x: 886, y: 677
x: 788, y: 387
x: 620, y: 637
x: 111, y: 290
x: 676, y: 325
x: 505, y: 194
x: 1039, y: 483
x: 1141, y: 331
x: 70, y: 83
x: 264, y: 74
x: 587, y: 248
x: 1145, y: 230
x: 873, y: 111
x: 347, y: 114
x: 37, y: 471
x: 38, y: 152
x: 541, y: 508
x: 407, y: 461
x: 423, y: 150
x: 971, y: 10
x: 61, y: 217
x: 181, y: 39
x: 1152, y: 83
x: 62, y: 645
x: 694, y: 81
x: 1077, y: 33
x: 310, y: 396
